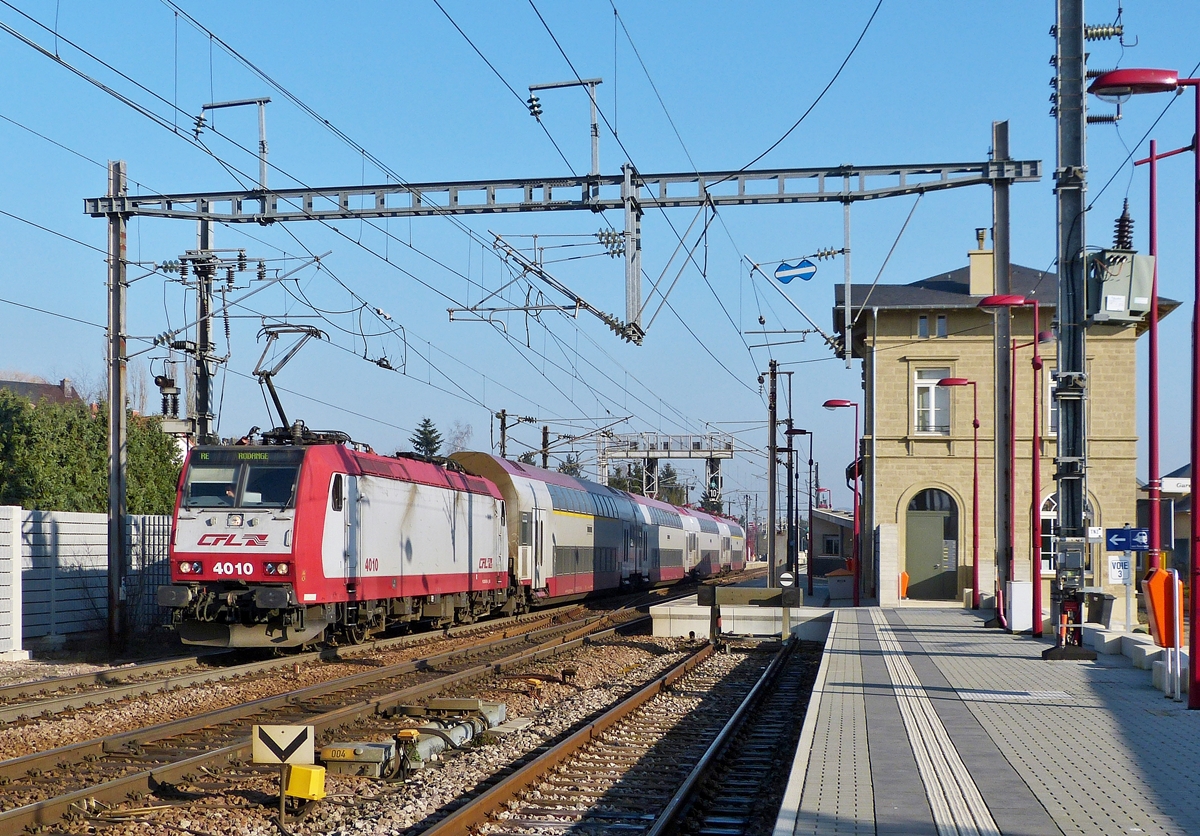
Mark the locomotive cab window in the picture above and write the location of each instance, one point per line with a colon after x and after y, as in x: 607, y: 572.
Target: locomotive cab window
x: 338, y: 498
x: 211, y: 486
x: 270, y: 486
x: 257, y: 484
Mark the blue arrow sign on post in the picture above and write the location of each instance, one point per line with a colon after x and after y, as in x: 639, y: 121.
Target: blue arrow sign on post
x: 786, y: 272
x: 1127, y: 539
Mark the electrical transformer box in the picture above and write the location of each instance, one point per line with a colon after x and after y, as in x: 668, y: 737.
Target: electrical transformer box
x: 1119, y: 283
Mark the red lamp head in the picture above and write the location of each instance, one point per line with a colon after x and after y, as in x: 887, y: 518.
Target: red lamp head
x: 837, y: 403
x: 1002, y: 300
x: 954, y: 381
x: 1117, y: 86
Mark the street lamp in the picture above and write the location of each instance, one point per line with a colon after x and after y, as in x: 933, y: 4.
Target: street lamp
x: 810, y: 505
x: 962, y: 381
x: 992, y: 303
x: 1154, y: 481
x: 1119, y: 85
x: 841, y: 403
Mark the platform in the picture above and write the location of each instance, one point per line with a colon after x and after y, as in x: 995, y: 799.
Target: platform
x: 923, y: 721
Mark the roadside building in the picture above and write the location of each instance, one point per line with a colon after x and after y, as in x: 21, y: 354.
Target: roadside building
x: 916, y: 454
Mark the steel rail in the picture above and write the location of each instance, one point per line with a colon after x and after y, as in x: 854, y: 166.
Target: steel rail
x: 49, y: 811
x: 126, y: 741
x: 51, y: 704
x: 666, y: 820
x: 478, y: 811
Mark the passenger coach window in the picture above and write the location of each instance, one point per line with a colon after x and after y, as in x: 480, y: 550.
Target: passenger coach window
x: 526, y: 536
x: 338, y: 498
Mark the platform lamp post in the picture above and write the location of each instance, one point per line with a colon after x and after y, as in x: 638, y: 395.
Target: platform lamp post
x: 1154, y: 481
x: 962, y: 381
x: 841, y: 403
x: 1118, y: 86
x: 991, y: 303
x: 810, y: 507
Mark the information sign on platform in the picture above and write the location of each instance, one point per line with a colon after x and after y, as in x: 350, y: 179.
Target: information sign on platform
x: 283, y: 744
x: 1127, y: 539
x: 1119, y: 569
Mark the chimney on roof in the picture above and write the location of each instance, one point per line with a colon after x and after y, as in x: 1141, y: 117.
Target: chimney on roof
x: 982, y: 268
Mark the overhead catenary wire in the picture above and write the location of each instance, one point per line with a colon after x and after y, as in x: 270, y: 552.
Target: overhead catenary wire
x: 142, y: 110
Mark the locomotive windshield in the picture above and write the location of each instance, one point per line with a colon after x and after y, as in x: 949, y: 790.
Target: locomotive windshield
x: 241, y: 479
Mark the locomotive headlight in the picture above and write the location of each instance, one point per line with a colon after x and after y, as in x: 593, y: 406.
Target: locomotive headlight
x: 234, y: 520
x: 282, y: 568
x: 191, y: 568
x: 269, y: 568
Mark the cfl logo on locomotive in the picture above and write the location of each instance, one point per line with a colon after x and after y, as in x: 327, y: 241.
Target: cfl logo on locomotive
x: 232, y: 540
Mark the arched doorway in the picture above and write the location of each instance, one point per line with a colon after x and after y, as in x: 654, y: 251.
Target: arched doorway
x: 931, y: 546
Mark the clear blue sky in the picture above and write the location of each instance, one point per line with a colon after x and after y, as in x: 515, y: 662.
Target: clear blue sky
x: 924, y: 86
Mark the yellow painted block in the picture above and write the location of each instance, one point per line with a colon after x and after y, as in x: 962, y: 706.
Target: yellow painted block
x: 306, y: 782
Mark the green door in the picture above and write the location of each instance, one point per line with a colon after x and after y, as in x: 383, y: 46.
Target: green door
x: 930, y: 558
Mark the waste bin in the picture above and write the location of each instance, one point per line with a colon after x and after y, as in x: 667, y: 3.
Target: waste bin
x: 1099, y: 608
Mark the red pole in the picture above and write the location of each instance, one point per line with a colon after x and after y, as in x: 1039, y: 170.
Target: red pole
x: 1155, y: 485
x: 1011, y: 572
x: 857, y: 539
x: 1194, y: 552
x: 810, y: 514
x: 975, y: 495
x: 1035, y: 531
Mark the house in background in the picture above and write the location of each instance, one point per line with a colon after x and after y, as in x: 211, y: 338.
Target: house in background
x: 916, y: 454
x: 61, y: 392
x: 833, y: 539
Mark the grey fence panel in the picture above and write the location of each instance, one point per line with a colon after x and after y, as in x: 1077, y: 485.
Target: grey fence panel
x: 149, y: 540
x: 65, y: 571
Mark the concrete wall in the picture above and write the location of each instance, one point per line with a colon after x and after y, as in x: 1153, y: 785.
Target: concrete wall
x: 64, y: 572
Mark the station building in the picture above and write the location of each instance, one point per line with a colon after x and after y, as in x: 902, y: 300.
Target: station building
x: 916, y: 452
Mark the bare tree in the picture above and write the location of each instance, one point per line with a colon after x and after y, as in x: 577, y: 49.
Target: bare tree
x: 459, y: 437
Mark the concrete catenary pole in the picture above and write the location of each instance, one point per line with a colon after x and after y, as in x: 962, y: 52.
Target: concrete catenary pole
x: 117, y: 385
x: 1005, y: 421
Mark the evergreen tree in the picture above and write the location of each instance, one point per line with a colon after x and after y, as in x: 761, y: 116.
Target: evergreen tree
x: 426, y: 441
x: 54, y: 457
x: 528, y: 457
x: 571, y: 466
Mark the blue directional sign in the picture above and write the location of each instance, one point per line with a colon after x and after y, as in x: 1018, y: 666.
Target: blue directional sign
x: 1127, y: 539
x: 786, y: 272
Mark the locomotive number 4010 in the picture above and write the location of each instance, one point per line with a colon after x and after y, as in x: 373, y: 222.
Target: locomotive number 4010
x: 233, y: 568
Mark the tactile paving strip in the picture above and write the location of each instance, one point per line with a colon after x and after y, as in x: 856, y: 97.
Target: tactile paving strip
x: 1102, y: 751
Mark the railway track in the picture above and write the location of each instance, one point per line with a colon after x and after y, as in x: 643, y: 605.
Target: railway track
x: 28, y: 700
x: 40, y: 789
x: 641, y: 766
x: 53, y: 695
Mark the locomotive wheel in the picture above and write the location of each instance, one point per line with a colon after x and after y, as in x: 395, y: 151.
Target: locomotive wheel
x: 356, y: 633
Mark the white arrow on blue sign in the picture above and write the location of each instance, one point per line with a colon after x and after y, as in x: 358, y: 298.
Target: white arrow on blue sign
x: 1127, y: 539
x: 786, y: 272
